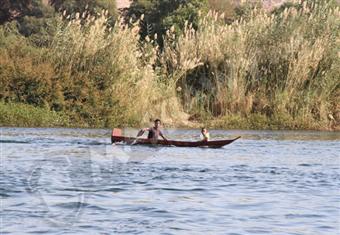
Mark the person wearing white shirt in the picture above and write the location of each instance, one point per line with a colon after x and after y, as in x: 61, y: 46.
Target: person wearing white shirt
x: 205, y: 136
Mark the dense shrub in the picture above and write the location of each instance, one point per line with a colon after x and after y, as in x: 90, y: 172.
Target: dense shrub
x: 159, y: 16
x: 264, y: 69
x: 25, y: 115
x: 273, y: 64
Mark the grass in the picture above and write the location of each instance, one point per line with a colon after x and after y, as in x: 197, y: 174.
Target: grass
x: 262, y: 122
x: 23, y: 115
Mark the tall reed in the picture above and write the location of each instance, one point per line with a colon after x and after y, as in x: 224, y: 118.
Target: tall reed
x: 265, y: 70
x: 283, y: 66
x: 114, y: 70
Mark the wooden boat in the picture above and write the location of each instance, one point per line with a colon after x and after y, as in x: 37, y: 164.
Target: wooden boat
x: 117, y: 137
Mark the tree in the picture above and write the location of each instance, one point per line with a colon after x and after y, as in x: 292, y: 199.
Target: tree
x: 92, y: 6
x: 12, y: 9
x: 160, y: 15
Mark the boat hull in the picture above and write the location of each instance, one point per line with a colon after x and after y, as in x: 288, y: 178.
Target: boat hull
x: 151, y: 142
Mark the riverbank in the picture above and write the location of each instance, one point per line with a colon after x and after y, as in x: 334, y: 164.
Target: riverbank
x: 268, y: 70
x: 23, y: 115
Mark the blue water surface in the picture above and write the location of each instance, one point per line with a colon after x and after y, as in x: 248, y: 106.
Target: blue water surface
x: 73, y: 181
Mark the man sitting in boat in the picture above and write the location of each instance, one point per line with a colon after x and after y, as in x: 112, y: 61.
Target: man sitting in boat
x: 205, y: 136
x: 154, y: 132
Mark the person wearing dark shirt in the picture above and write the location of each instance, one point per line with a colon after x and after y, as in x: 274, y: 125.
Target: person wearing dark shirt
x: 153, y: 132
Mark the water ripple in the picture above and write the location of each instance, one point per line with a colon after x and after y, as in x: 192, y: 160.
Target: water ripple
x: 72, y: 181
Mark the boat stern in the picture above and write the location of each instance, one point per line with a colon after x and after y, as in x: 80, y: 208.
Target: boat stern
x: 116, y: 132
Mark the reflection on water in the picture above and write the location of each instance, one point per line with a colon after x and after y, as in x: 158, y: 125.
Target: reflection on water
x: 74, y: 181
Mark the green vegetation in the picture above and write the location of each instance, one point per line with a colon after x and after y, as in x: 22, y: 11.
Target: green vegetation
x: 245, y: 68
x: 277, y: 65
x: 11, y: 9
x: 158, y: 16
x: 23, y: 115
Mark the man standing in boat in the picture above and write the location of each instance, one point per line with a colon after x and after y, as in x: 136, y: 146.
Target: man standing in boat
x: 154, y: 132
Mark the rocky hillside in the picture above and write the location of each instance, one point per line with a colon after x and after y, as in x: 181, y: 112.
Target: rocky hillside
x: 268, y: 4
x: 10, y: 10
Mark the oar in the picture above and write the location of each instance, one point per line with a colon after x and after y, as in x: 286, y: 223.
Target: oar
x: 140, y: 133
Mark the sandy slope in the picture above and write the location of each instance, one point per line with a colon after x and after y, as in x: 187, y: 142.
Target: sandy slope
x: 123, y: 3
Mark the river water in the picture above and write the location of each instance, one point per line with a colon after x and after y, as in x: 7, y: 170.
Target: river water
x: 73, y: 181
